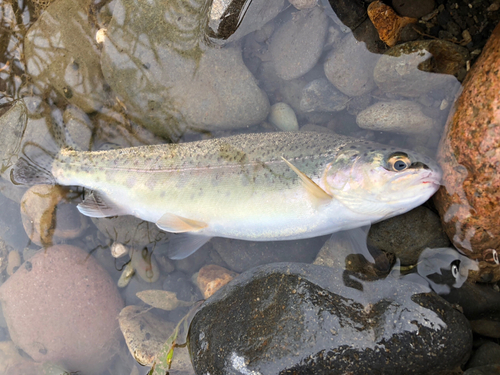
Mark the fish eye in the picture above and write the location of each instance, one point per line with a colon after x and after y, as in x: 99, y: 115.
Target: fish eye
x: 455, y: 268
x: 398, y: 161
x: 495, y: 257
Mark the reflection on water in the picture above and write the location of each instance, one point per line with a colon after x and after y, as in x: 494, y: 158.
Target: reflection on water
x: 125, y: 73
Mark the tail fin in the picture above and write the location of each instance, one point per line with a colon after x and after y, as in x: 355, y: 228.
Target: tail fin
x: 33, y: 167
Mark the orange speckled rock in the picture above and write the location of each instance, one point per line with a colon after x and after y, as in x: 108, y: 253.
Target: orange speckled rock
x: 470, y: 156
x: 388, y: 24
x: 212, y: 277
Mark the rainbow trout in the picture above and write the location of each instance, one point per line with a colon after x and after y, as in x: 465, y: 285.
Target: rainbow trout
x: 258, y: 187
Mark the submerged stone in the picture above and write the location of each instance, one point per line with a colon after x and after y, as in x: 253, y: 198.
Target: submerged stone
x: 415, y: 68
x: 303, y: 319
x: 61, y: 52
x: 297, y: 45
x: 157, y: 60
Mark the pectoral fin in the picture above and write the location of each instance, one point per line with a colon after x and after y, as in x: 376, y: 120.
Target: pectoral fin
x: 95, y: 205
x: 317, y: 194
x: 182, y: 245
x: 178, y: 224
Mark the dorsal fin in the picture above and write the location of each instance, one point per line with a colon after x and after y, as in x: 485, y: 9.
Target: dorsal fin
x: 317, y: 194
x: 178, y: 224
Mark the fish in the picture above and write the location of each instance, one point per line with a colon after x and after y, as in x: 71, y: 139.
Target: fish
x: 255, y: 187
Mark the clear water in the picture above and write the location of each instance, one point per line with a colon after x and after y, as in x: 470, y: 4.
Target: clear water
x: 153, y: 75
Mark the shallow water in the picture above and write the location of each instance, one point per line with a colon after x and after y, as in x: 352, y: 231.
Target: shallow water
x: 173, y: 72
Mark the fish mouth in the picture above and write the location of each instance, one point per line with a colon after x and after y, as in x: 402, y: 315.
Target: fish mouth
x: 430, y: 178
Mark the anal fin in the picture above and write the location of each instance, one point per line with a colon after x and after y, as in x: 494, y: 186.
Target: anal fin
x: 178, y: 224
x: 182, y: 245
x: 317, y: 194
x: 95, y: 205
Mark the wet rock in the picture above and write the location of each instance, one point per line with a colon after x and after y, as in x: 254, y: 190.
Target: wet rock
x: 476, y: 300
x: 79, y: 127
x: 176, y: 82
x: 299, y: 318
x: 130, y: 230
x: 297, y: 45
x: 283, y: 117
x: 409, y: 234
x: 179, y: 283
x: 351, y: 13
x: 49, y: 217
x: 118, y: 250
x: 415, y: 68
x: 135, y: 285
x: 126, y: 275
x: 347, y: 250
x: 483, y: 370
x: 413, y: 8
x: 231, y: 20
x: 243, y: 255
x: 397, y: 116
x: 144, y: 264
x: 12, y: 126
x: 61, y: 52
x: 13, y: 262
x: 145, y: 334
x: 63, y: 308
x: 320, y: 95
x: 4, y: 253
x: 211, y: 278
x: 114, y: 128
x: 315, y: 128
x: 303, y: 4
x: 10, y: 358
x: 469, y: 154
x: 486, y: 354
x: 349, y: 67
x: 488, y: 326
x: 388, y: 24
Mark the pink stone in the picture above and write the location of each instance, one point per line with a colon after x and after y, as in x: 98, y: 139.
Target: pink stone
x: 62, y: 306
x: 469, y: 202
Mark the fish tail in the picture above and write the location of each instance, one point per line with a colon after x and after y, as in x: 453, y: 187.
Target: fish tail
x: 28, y: 172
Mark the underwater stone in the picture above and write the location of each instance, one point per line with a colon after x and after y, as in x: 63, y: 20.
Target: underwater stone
x: 283, y: 117
x: 297, y: 45
x: 349, y: 67
x: 397, y: 116
x: 415, y: 68
x: 64, y: 308
x: 171, y: 81
x: 61, y: 52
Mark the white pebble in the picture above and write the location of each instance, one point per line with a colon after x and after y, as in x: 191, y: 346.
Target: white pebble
x: 100, y: 36
x: 283, y: 117
x: 118, y: 250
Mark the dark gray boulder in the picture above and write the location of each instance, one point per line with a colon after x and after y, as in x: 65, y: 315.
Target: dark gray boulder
x: 286, y: 318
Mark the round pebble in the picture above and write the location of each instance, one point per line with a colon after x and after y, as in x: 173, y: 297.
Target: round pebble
x: 63, y: 308
x: 47, y: 216
x: 397, y: 116
x: 283, y: 117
